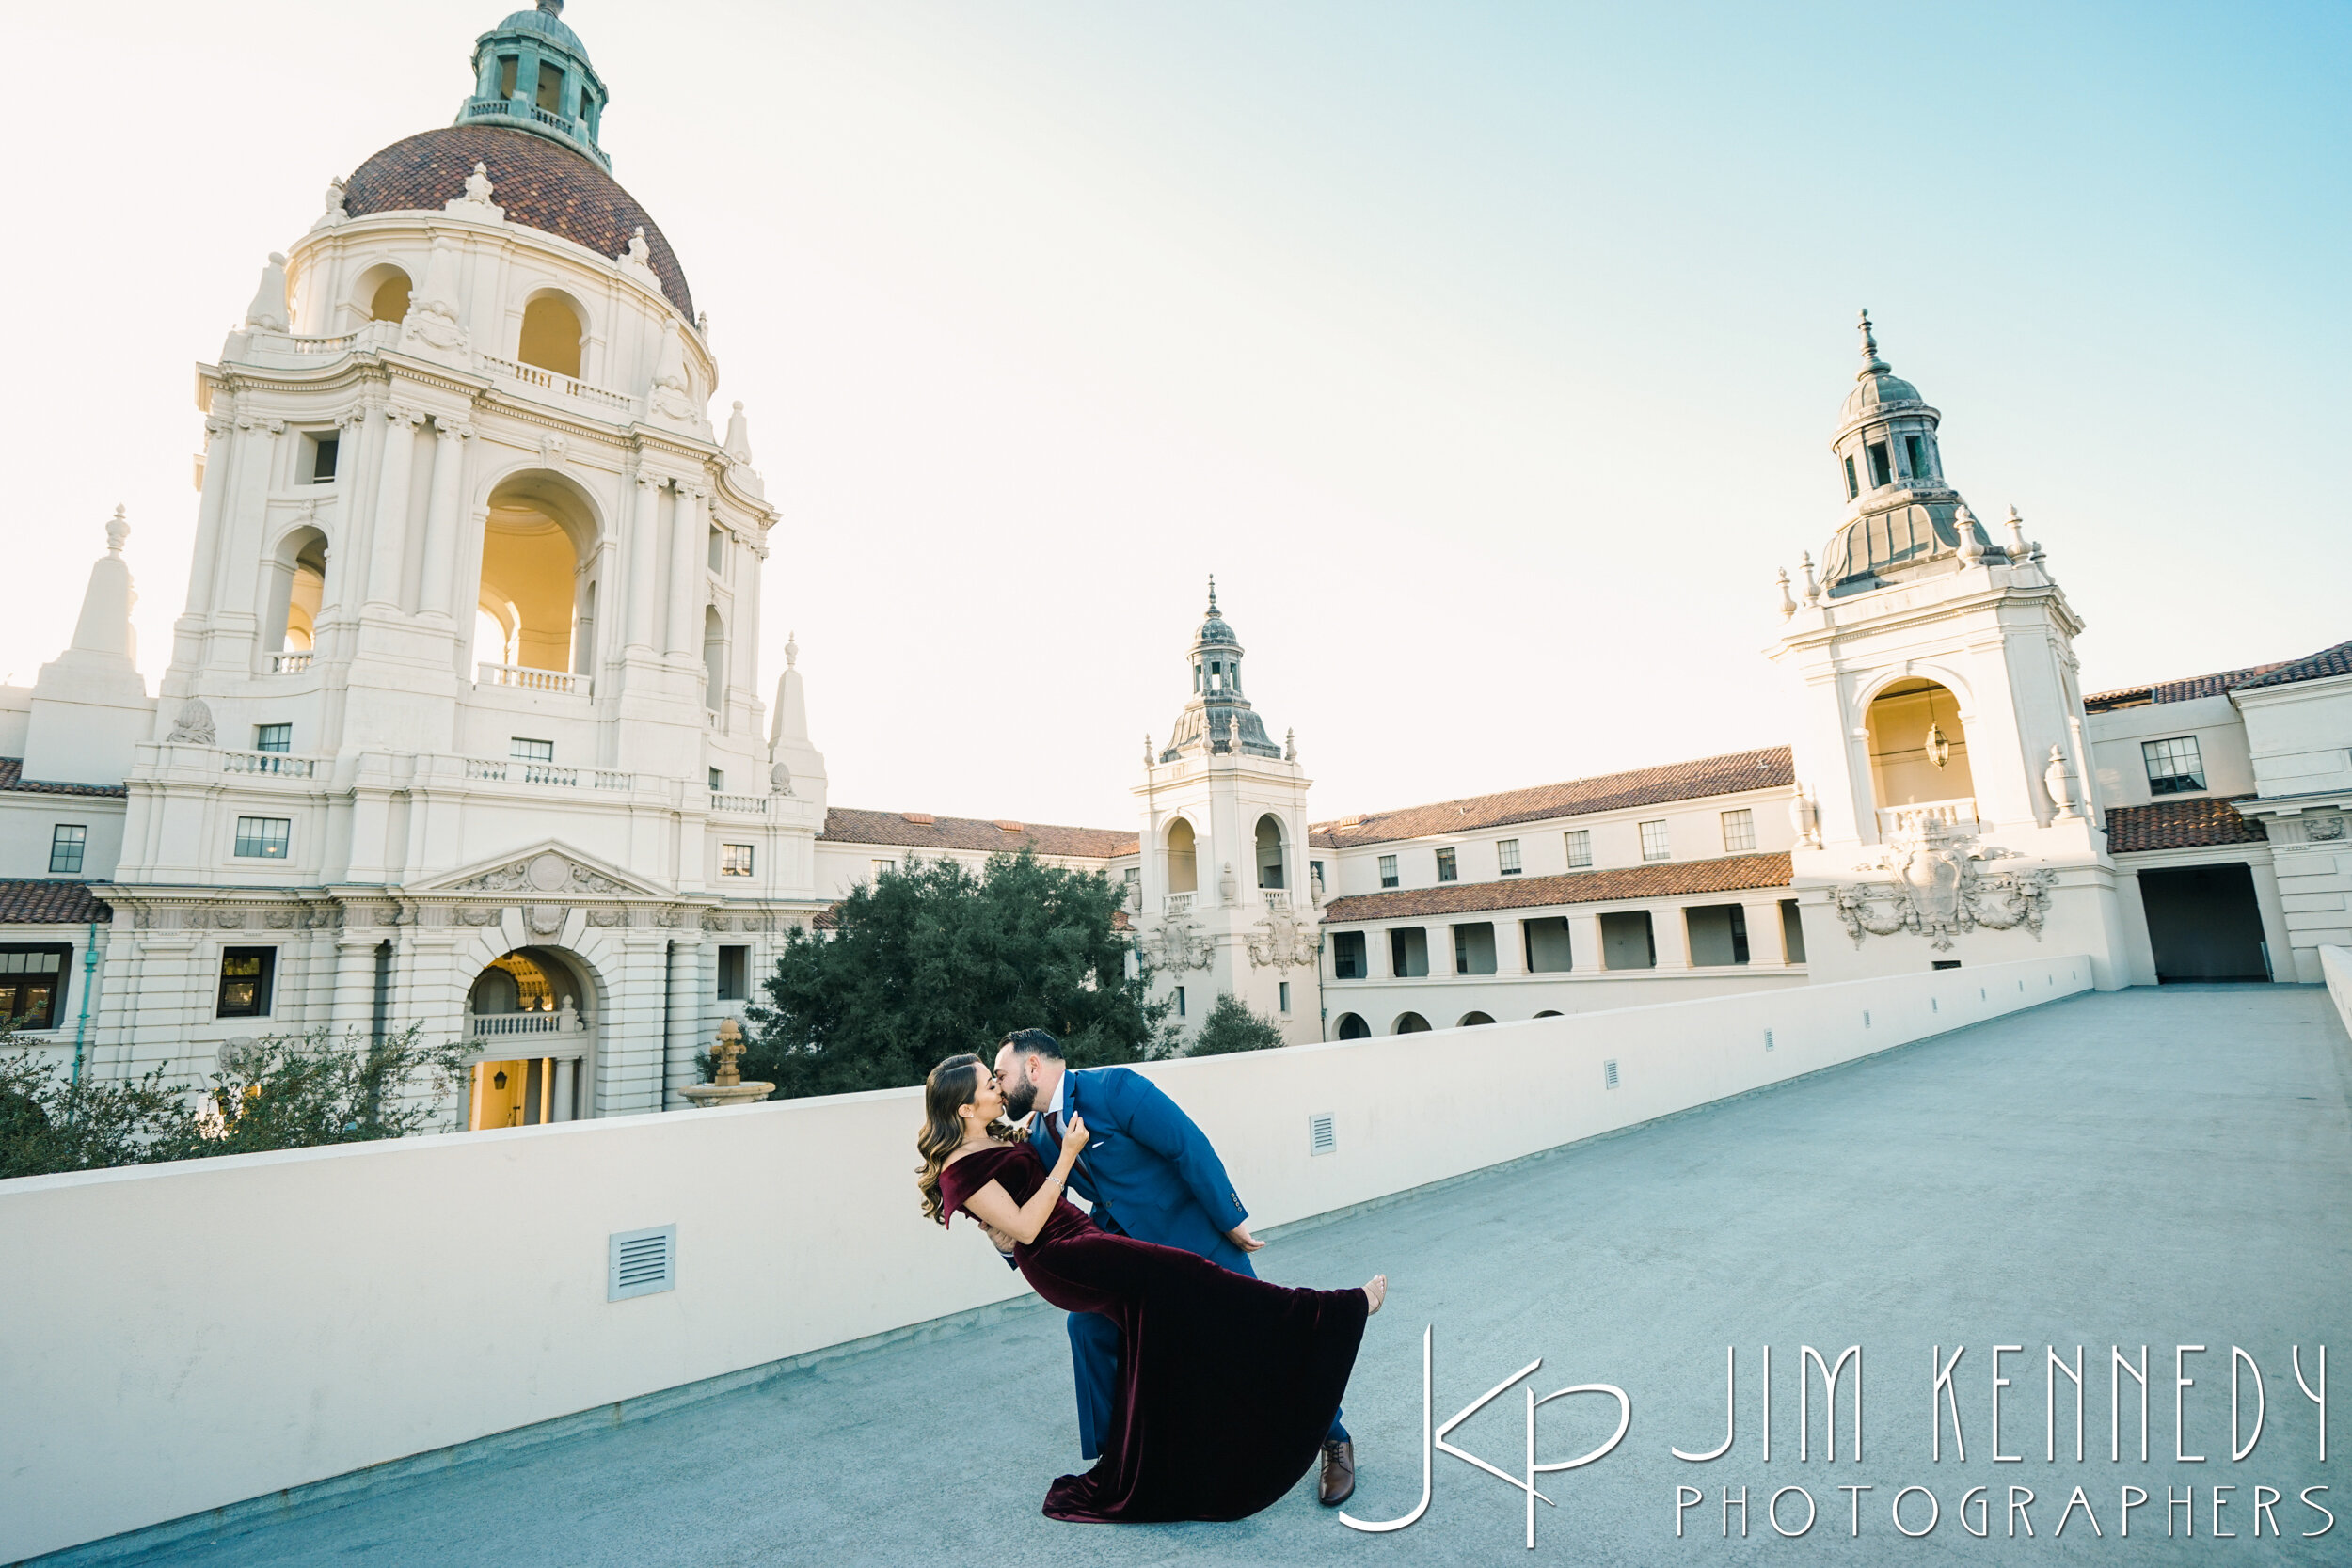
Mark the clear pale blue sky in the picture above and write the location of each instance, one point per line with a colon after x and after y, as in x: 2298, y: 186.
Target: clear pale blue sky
x: 1486, y: 353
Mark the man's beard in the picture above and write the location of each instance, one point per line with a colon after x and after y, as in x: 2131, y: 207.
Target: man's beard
x: 1020, y: 1099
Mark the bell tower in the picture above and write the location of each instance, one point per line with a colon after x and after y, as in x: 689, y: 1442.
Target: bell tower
x: 1945, y: 811
x: 1228, y: 900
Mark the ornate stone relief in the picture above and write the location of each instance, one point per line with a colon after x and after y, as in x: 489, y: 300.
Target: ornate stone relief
x: 1282, y: 940
x: 1938, y: 890
x: 545, y: 920
x: 280, y: 920
x: 545, y: 872
x: 475, y: 914
x: 2322, y: 830
x: 1176, y: 945
x: 192, y: 726
x: 608, y: 917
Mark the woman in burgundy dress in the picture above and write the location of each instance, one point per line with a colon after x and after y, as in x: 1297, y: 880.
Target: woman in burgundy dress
x: 1226, y: 1385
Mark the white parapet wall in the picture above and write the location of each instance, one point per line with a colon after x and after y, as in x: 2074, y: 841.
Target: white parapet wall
x: 2335, y: 969
x: 183, y: 1338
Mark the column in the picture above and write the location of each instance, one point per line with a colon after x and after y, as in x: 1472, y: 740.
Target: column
x: 242, y: 515
x: 218, y: 463
x: 689, y: 532
x: 744, y: 654
x: 1510, y: 945
x: 1672, y: 934
x: 440, y: 518
x: 1765, y: 943
x: 644, y: 562
x: 392, y: 508
x: 685, y: 1022
x: 566, y: 1071
x: 1584, y: 950
x: 354, y: 1002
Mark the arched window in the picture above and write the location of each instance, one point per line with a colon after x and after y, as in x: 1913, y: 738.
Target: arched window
x: 1919, y: 751
x: 551, y: 335
x: 714, y: 659
x: 1269, y: 850
x: 535, y: 590
x: 297, y: 586
x: 1549, y: 1012
x: 1472, y: 1020
x: 390, y: 301
x: 1410, y: 1024
x: 1354, y: 1028
x: 1183, y: 865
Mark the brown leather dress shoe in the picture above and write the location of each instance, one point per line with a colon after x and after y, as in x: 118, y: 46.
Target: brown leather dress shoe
x: 1339, y: 1474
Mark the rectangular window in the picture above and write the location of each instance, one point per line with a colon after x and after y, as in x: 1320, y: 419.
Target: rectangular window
x: 1580, y: 849
x: 1474, y: 948
x: 718, y: 549
x: 550, y: 85
x: 1180, y: 1001
x: 2174, y: 767
x: 1408, y: 953
x: 735, y: 968
x: 506, y: 75
x: 1854, y: 486
x: 273, y: 738
x: 1546, y: 945
x: 1739, y: 831
x: 263, y: 837
x: 1507, y: 857
x: 67, y: 841
x: 33, y: 985
x: 1654, y: 846
x: 246, y: 974
x: 1916, y: 454
x: 1283, y: 989
x: 1447, y: 872
x: 325, y: 446
x: 735, y: 860
x: 1347, y: 954
x: 530, y: 750
x: 1882, y: 473
x: 1388, y: 871
x: 718, y: 782
x: 1791, y: 931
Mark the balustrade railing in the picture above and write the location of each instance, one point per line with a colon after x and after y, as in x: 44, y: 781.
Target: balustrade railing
x: 1959, y: 815
x: 533, y: 375
x: 277, y: 764
x: 522, y: 677
x: 519, y: 770
x: 1176, y: 903
x: 749, y: 805
x: 290, y: 664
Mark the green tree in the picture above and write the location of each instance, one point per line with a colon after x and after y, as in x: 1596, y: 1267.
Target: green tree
x: 280, y: 1092
x: 924, y: 962
x: 1230, y: 1027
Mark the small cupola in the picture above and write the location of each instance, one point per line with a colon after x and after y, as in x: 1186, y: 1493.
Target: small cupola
x: 532, y: 73
x: 1218, y: 719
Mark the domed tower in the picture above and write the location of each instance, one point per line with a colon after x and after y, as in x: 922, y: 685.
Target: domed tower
x: 1229, y: 899
x: 473, y: 615
x: 1942, y: 719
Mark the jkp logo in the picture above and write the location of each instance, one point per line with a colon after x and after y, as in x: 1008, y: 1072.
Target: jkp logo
x: 1434, y: 1439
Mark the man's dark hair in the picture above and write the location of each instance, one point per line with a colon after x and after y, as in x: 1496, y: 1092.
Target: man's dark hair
x: 1032, y: 1042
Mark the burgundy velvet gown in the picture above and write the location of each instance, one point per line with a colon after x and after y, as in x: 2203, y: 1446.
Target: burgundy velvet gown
x: 1226, y: 1385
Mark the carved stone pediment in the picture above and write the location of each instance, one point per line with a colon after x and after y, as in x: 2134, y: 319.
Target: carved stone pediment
x: 1282, y: 940
x: 1938, y: 889
x: 549, y: 871
x: 1175, y: 944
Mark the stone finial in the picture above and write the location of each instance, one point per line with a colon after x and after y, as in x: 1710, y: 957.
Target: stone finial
x: 478, y: 184
x: 334, y: 212
x: 268, y: 310
x: 1812, y: 589
x: 1212, y: 592
x: 1147, y: 749
x: 194, y: 726
x: 2057, y: 780
x: 1971, y: 552
x: 1788, y: 605
x: 791, y: 650
x: 738, y: 442
x: 780, y: 779
x: 118, y: 529
x: 1290, y: 745
x: 2015, y: 527
x: 1872, y: 363
x: 638, y: 251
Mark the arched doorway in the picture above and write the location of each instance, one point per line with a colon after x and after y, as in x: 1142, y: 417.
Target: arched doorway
x: 535, y: 606
x: 1410, y: 1024
x: 1919, y: 753
x: 531, y: 1033
x: 1354, y: 1028
x: 1184, y: 861
x: 1270, y: 851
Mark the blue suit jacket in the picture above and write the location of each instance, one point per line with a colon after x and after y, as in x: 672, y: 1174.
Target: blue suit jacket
x: 1147, y: 1169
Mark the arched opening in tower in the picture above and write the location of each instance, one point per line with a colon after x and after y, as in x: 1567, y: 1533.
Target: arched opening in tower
x: 535, y: 607
x: 528, y: 1021
x: 1269, y: 851
x: 1919, y: 748
x: 1183, y: 864
x: 551, y: 335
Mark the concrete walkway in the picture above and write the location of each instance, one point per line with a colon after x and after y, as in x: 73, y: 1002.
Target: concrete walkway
x: 2157, y: 1168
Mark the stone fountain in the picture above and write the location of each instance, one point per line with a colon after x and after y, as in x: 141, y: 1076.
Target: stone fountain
x: 726, y: 1085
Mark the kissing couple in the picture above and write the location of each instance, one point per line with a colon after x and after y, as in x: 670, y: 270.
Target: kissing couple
x: 1203, y: 1391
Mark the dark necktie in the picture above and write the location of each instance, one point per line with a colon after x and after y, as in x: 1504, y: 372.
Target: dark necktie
x: 1053, y: 1127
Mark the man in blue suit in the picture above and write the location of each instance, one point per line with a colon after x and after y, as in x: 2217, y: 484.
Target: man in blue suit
x: 1150, y: 1173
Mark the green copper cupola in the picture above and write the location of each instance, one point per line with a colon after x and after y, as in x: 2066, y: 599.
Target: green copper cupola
x: 532, y: 73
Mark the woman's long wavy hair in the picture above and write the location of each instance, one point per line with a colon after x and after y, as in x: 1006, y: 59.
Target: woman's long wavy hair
x: 948, y: 1091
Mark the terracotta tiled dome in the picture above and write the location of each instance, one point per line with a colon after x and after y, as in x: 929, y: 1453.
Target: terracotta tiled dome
x: 539, y: 184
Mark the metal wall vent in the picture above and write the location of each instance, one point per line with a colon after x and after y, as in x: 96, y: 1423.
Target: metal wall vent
x: 1767, y: 1040
x: 1933, y: 1006
x: 642, y: 1262
x: 1608, y: 1073
x: 1866, y: 1018
x: 1322, y: 1135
